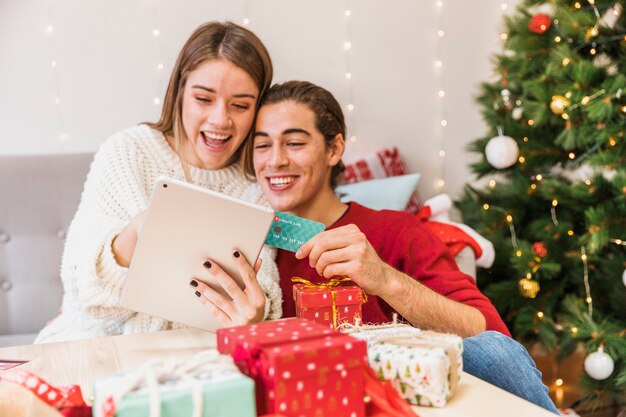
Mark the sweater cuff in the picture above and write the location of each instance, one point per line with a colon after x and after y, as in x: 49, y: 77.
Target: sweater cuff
x: 108, y: 268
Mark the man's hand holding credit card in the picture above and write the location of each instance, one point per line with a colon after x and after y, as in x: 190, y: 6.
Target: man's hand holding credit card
x: 289, y: 232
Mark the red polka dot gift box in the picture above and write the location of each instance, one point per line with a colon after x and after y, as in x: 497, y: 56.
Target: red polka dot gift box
x: 300, y: 368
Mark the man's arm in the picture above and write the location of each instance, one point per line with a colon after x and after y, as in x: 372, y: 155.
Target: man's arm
x: 346, y: 251
x: 425, y: 308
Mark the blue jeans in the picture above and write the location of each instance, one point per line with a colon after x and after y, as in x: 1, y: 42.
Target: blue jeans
x: 503, y: 362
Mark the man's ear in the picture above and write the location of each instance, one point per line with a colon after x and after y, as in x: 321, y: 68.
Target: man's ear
x: 336, y: 150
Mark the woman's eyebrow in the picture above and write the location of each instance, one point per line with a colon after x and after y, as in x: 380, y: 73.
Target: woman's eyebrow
x: 211, y: 90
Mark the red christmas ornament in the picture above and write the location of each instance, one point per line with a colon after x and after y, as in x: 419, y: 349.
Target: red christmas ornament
x: 539, y: 249
x: 540, y: 23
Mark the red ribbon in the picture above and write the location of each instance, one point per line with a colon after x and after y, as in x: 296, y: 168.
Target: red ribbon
x: 384, y: 399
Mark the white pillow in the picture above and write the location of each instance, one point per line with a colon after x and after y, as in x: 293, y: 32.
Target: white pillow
x: 391, y: 193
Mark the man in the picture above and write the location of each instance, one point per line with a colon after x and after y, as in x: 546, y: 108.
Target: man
x: 296, y: 157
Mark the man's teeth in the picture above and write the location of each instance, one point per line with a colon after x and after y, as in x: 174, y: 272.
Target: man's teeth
x: 281, y: 181
x: 215, y: 136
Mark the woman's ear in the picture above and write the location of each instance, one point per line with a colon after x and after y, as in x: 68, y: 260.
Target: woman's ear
x: 336, y: 149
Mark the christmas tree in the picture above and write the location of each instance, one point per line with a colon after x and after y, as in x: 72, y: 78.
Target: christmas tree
x: 554, y: 205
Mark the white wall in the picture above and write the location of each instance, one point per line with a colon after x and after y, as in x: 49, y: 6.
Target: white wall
x: 106, y: 74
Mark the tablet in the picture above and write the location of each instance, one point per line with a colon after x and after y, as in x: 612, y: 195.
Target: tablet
x: 184, y: 225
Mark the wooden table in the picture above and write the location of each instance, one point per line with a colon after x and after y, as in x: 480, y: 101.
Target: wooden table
x: 81, y: 361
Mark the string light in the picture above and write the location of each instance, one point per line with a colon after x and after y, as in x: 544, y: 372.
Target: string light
x: 521, y: 159
x: 570, y: 233
x: 347, y: 49
x: 539, y: 177
x: 588, y: 299
x: 574, y: 330
x: 441, y: 91
x: 530, y: 122
x: 485, y: 206
x: 540, y: 314
x: 63, y: 137
x: 557, y: 39
x: 558, y: 382
x: 492, y: 183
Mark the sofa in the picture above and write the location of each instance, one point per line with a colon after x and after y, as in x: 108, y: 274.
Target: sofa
x: 40, y: 194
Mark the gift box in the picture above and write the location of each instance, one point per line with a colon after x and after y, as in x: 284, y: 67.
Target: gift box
x: 424, y: 368
x: 301, y: 368
x: 328, y: 303
x: 207, y: 385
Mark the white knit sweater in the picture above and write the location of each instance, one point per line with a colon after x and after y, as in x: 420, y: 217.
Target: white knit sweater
x: 118, y: 186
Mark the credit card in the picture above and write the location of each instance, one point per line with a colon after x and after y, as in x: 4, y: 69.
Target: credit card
x: 289, y: 232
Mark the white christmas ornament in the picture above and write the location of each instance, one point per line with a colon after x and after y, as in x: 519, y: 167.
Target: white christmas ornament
x: 517, y: 113
x: 501, y: 151
x: 624, y: 277
x: 605, y: 61
x: 612, y: 14
x: 599, y: 365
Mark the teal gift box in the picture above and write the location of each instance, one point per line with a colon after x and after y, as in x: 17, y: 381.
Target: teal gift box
x: 207, y: 385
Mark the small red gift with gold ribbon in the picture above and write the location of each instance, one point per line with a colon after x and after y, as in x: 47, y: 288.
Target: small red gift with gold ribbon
x: 331, y: 302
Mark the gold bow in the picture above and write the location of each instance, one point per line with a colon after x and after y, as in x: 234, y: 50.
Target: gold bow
x: 330, y: 284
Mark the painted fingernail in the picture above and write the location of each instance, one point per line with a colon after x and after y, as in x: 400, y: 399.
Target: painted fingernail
x: 207, y: 265
x: 193, y: 283
x: 198, y: 294
x: 236, y: 254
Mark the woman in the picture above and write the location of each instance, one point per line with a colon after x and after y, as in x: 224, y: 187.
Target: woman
x: 210, y: 104
x: 296, y: 157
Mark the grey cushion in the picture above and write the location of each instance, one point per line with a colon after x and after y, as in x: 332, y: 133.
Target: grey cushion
x: 38, y: 198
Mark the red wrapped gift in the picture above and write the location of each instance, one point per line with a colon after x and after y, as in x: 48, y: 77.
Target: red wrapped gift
x: 328, y: 303
x: 300, y: 368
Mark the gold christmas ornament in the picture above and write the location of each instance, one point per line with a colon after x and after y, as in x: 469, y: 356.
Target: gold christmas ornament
x: 528, y: 287
x: 559, y: 104
x: 591, y: 33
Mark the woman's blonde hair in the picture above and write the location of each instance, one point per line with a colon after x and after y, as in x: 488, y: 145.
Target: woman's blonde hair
x: 212, y: 40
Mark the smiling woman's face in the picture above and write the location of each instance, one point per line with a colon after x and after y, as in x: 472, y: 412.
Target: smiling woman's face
x: 219, y: 102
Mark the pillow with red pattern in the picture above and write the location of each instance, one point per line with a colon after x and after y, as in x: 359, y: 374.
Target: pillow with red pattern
x: 384, y: 163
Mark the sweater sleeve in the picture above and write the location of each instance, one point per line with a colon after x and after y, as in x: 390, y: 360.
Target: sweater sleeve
x: 423, y: 256
x: 269, y: 282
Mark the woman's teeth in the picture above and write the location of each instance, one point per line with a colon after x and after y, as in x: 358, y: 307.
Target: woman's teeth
x: 281, y: 181
x: 215, y: 136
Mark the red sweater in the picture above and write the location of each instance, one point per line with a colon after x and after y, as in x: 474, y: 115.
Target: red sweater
x: 405, y: 243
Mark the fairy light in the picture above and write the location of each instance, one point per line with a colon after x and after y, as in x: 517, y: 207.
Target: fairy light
x: 521, y: 159
x: 571, y: 155
x: 618, y: 242
x: 492, y: 183
x: 518, y: 253
x: 533, y: 186
x: 485, y: 206
x: 156, y: 100
x: 577, y: 5
x: 525, y: 139
x: 585, y: 100
x: 612, y: 141
x: 574, y: 330
x: 588, y: 298
x: 570, y: 233
x: 565, y: 62
x: 56, y: 101
x: 558, y: 382
x: 441, y: 93
x: 540, y: 314
x: 531, y: 122
x: 347, y: 47
x: 557, y: 39
x: 555, y: 203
